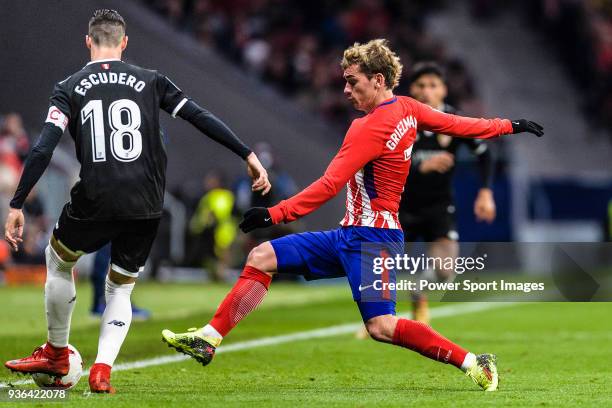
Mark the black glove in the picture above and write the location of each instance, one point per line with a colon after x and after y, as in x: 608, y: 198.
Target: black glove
x: 256, y: 217
x: 524, y: 125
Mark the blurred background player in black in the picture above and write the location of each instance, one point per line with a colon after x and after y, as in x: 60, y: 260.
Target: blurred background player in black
x: 427, y: 209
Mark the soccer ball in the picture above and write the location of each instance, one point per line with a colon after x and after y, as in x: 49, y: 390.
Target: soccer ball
x: 69, y: 380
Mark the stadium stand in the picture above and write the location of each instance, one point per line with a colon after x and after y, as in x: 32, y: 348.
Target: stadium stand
x: 243, y: 49
x: 296, y: 46
x: 559, y: 189
x: 582, y: 34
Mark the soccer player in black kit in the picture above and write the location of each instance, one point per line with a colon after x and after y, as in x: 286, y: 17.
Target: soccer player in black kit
x: 427, y: 209
x: 112, y: 111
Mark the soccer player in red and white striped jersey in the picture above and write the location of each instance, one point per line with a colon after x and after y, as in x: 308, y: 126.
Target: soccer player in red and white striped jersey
x: 373, y: 163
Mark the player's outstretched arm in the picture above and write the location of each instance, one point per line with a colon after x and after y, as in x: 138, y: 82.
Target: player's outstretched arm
x: 356, y: 151
x: 484, y: 205
x: 13, y: 228
x: 218, y: 131
x: 524, y: 125
x: 454, y: 125
x: 258, y: 174
x: 174, y: 101
x: 34, y: 167
x: 212, y: 127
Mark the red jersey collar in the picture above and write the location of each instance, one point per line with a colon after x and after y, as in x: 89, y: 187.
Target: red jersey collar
x: 386, y: 102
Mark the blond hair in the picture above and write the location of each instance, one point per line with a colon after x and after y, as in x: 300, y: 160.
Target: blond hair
x: 374, y: 57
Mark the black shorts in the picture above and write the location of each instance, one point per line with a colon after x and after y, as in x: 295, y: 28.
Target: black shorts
x: 131, y: 240
x: 429, y: 223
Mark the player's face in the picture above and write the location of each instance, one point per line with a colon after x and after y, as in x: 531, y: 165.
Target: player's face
x: 360, y: 90
x: 429, y: 89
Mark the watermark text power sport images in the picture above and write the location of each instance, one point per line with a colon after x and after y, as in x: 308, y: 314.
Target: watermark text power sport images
x: 490, y: 271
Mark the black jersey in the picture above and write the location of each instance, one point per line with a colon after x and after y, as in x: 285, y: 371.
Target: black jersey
x: 112, y: 111
x: 423, y: 190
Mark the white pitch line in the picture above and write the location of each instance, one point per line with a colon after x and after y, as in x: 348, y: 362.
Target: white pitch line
x: 438, y: 312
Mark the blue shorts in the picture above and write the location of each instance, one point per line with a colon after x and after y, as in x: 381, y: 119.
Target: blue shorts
x: 354, y: 252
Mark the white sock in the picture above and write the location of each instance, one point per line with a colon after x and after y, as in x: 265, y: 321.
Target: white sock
x: 468, y: 362
x: 116, y: 321
x: 60, y: 297
x: 210, y: 331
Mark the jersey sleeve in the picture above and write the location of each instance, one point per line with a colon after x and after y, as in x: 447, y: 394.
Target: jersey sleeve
x: 39, y: 157
x: 59, y: 106
x: 454, y: 125
x: 484, y: 157
x: 476, y: 146
x: 213, y: 127
x: 172, y: 97
x: 359, y: 148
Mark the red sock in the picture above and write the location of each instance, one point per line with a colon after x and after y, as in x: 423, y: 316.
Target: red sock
x: 246, y: 295
x: 421, y: 338
x: 53, y: 351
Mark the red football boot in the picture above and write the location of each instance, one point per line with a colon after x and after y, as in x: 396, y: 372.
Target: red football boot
x: 46, y: 359
x: 99, y: 379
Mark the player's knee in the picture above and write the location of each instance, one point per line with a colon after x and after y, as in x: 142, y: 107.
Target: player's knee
x: 380, y: 328
x: 263, y: 258
x: 375, y: 331
x: 62, y: 252
x: 120, y: 279
x: 444, y: 247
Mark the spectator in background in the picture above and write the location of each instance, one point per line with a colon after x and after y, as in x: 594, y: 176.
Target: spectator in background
x: 582, y: 31
x: 36, y: 236
x: 14, y: 139
x: 293, y: 46
x: 283, y: 187
x: 8, y: 181
x: 14, y: 147
x: 213, y: 227
x: 607, y: 224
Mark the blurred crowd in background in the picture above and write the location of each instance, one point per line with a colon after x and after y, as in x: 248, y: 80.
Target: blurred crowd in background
x: 296, y: 46
x: 14, y: 148
x: 293, y: 46
x: 582, y: 34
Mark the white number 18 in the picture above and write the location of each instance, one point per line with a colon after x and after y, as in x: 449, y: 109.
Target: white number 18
x: 93, y: 111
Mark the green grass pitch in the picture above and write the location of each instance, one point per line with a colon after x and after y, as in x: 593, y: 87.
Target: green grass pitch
x: 549, y: 354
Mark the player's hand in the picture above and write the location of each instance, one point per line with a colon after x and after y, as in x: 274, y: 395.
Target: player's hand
x: 256, y: 217
x: 13, y: 229
x: 258, y: 174
x: 440, y: 163
x: 484, y: 206
x: 524, y: 125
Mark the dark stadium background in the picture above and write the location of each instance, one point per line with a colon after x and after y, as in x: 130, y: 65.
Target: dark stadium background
x: 270, y: 69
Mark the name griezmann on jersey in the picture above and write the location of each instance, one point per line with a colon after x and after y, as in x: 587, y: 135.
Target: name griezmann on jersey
x: 374, y: 161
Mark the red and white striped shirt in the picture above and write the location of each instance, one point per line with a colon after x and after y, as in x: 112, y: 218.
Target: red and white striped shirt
x: 374, y: 161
